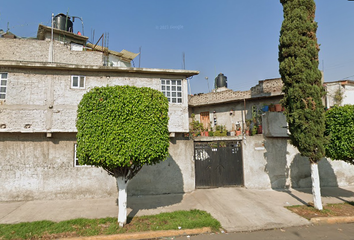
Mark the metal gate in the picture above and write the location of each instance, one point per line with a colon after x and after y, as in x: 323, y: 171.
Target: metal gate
x: 218, y: 163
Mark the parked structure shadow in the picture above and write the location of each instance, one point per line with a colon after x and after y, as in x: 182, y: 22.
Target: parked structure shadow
x: 287, y: 172
x: 156, y: 186
x: 300, y: 174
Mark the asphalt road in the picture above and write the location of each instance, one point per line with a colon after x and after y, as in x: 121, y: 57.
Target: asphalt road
x: 311, y: 232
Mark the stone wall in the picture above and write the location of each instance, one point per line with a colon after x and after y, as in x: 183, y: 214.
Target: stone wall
x: 269, y: 87
x: 217, y: 97
x: 33, y: 166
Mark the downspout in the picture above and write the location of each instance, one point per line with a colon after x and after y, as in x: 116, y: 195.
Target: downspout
x: 50, y: 55
x: 244, y: 119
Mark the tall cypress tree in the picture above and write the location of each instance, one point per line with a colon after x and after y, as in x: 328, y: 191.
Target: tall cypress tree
x: 303, y: 89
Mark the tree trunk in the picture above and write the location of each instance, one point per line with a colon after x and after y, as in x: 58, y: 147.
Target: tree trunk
x: 122, y: 184
x: 316, y: 191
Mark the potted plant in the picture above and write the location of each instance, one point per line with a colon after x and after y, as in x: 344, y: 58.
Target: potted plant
x: 254, y: 130
x: 196, y: 128
x: 271, y: 108
x: 278, y: 107
x: 248, y: 125
x: 238, y: 129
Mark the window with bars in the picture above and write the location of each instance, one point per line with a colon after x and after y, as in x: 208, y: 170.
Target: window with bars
x: 78, y: 82
x: 76, y: 160
x: 3, y: 85
x: 172, y: 89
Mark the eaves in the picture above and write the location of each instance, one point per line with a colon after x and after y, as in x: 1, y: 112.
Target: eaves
x: 93, y: 68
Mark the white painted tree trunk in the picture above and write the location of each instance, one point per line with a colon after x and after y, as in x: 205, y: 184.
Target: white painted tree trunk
x: 122, y: 184
x: 316, y: 191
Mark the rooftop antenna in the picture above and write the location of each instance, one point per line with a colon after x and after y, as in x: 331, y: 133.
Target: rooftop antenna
x: 206, y: 78
x: 184, y: 60
x: 106, y: 49
x: 139, y: 55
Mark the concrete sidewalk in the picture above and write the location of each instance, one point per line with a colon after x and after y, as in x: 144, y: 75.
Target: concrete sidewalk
x: 237, y: 209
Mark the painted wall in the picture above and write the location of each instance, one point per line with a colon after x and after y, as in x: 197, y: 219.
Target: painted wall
x: 346, y: 89
x: 36, y: 167
x: 348, y: 96
x: 278, y: 165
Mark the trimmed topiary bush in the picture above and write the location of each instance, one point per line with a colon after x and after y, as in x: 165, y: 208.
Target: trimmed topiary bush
x: 122, y: 128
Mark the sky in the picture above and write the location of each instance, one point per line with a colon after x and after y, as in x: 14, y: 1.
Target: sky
x: 235, y: 37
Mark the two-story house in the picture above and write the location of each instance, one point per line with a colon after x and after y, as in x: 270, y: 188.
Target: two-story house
x: 42, y: 82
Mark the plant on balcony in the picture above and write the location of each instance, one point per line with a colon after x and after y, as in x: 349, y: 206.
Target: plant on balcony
x: 220, y: 131
x: 196, y: 127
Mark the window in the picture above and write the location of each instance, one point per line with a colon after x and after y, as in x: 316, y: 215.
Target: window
x: 78, y: 82
x: 3, y: 85
x: 172, y: 89
x: 76, y: 160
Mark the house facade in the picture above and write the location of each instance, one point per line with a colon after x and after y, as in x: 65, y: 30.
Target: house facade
x: 265, y: 160
x: 339, y: 93
x: 42, y: 82
x: 232, y: 109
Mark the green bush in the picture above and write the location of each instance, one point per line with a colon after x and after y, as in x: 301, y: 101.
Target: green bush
x: 121, y: 128
x: 340, y: 130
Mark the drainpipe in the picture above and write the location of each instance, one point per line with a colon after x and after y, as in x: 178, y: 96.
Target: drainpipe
x: 244, y: 119
x: 50, y: 55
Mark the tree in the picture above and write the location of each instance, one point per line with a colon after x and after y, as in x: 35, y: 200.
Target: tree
x: 303, y: 90
x: 122, y: 128
x: 340, y: 129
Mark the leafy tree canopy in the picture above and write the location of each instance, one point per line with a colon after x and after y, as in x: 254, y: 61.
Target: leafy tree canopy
x: 340, y: 129
x: 121, y: 128
x: 298, y: 67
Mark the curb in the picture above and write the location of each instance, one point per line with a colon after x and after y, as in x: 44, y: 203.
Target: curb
x: 332, y: 220
x: 146, y: 235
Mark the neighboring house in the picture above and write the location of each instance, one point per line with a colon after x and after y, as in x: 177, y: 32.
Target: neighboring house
x: 42, y: 82
x: 339, y: 93
x: 229, y: 108
x: 262, y: 161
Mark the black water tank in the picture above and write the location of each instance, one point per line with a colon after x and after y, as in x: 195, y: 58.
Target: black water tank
x: 220, y: 81
x: 62, y: 22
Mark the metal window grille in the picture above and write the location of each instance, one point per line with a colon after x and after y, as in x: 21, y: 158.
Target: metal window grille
x: 3, y: 85
x: 172, y: 89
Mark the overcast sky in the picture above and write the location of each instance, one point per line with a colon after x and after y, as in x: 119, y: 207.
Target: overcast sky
x: 236, y: 37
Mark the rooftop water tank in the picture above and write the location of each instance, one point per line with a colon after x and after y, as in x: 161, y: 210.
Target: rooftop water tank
x: 63, y: 22
x: 221, y: 81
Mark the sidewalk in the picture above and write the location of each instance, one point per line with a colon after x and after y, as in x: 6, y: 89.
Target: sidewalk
x: 237, y: 209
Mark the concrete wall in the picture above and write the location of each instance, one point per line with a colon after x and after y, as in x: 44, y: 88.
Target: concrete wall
x: 274, y: 124
x: 35, y: 167
x: 348, y: 96
x: 229, y: 114
x: 278, y: 165
x: 38, y: 51
x: 175, y: 175
x: 43, y: 101
x: 347, y: 90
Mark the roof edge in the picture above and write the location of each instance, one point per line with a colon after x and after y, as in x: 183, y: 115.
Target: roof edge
x: 96, y: 68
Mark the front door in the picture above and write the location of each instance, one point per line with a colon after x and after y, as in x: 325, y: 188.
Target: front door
x: 205, y: 120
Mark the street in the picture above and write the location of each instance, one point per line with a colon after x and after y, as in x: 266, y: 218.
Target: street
x: 335, y: 231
